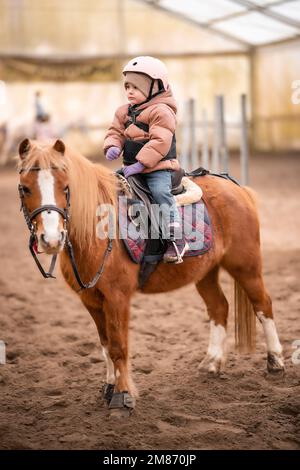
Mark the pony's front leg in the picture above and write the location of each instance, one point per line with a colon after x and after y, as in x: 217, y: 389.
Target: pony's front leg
x: 116, y: 310
x: 98, y: 316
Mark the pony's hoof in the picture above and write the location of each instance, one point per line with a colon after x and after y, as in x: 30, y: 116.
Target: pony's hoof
x: 214, y: 368
x: 121, y: 405
x: 122, y: 413
x: 275, y: 364
x: 212, y: 365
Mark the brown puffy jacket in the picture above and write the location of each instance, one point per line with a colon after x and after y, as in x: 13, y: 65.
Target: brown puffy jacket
x: 160, y: 114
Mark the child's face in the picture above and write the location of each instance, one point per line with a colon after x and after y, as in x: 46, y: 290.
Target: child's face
x: 134, y: 95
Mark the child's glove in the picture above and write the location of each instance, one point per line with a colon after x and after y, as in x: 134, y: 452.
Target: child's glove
x: 113, y: 153
x: 133, y: 169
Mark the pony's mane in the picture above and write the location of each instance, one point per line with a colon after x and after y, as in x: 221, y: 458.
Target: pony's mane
x: 90, y: 185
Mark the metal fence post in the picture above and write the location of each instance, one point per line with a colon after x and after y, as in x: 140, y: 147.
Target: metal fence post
x: 192, y: 122
x: 216, y: 136
x: 205, y: 149
x: 244, y: 142
x: 223, y: 143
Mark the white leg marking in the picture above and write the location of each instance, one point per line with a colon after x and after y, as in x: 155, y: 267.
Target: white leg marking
x: 217, y: 341
x: 273, y: 344
x: 216, y: 353
x: 50, y: 221
x: 110, y: 373
x: 275, y: 361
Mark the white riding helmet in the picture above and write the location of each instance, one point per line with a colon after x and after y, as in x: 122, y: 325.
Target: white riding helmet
x: 150, y: 66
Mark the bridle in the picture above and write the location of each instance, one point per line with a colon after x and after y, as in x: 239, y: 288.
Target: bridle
x: 33, y: 240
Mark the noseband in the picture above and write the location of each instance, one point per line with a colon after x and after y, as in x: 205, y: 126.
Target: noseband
x: 33, y: 240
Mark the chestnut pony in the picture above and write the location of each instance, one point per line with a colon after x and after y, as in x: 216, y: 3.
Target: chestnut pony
x: 49, y: 172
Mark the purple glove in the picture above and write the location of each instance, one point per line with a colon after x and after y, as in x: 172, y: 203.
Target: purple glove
x: 133, y: 169
x: 113, y: 153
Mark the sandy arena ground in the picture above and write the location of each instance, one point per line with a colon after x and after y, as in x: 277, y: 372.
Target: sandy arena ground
x: 49, y: 387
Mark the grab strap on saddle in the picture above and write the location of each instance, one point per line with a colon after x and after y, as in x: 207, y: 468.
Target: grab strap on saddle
x: 202, y: 172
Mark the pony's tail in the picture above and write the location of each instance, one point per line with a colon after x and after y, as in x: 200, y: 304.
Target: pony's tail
x: 245, y: 320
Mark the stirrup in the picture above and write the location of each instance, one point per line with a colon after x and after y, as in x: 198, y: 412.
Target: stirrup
x: 179, y: 255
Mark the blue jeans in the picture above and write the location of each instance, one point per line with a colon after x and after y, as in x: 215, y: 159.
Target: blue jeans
x: 160, y: 185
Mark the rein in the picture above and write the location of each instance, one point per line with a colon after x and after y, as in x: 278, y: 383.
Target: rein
x: 31, y: 224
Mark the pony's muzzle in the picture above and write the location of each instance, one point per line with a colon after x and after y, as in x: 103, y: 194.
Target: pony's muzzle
x: 54, y: 244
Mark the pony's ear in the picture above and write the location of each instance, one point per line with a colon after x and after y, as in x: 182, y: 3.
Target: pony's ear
x: 24, y: 147
x: 59, y: 146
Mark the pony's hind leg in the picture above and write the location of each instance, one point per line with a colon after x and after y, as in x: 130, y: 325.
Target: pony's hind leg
x: 252, y: 282
x: 217, y: 307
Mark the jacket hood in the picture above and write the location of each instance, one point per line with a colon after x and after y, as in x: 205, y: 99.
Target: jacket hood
x: 163, y: 98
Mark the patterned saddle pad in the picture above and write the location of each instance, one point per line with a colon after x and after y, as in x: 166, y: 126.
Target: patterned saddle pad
x: 196, y: 225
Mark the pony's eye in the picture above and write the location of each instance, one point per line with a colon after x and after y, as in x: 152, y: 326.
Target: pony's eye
x: 26, y: 190
x: 66, y: 189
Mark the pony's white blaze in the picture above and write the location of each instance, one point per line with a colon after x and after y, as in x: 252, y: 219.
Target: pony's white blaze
x: 50, y: 221
x: 273, y: 343
x: 110, y: 373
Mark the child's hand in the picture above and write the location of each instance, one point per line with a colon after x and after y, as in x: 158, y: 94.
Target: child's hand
x: 133, y: 169
x: 113, y: 153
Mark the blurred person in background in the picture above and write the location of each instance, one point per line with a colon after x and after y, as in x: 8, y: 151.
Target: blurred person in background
x: 3, y: 134
x: 40, y: 112
x: 42, y: 127
x: 144, y: 131
x: 3, y: 140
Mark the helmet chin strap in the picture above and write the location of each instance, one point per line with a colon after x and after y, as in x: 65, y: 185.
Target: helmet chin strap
x: 150, y: 96
x: 151, y: 88
x: 161, y: 89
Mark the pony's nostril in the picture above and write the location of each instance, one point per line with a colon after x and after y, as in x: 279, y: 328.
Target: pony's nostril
x: 62, y: 235
x: 43, y: 238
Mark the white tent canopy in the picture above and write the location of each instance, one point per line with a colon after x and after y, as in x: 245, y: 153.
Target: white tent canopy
x: 74, y: 51
x: 127, y: 27
x: 250, y: 22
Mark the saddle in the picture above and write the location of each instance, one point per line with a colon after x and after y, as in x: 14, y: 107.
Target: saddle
x: 141, y: 189
x: 141, y: 246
